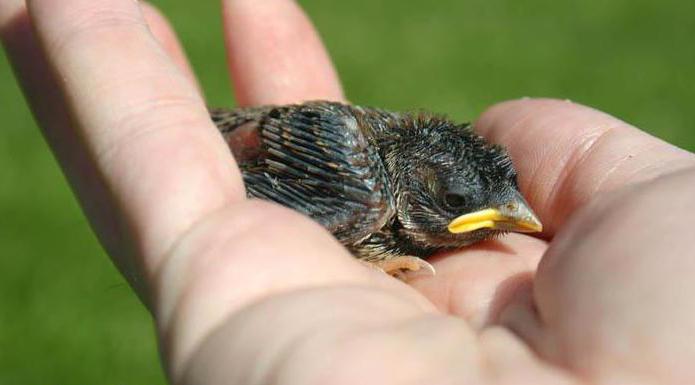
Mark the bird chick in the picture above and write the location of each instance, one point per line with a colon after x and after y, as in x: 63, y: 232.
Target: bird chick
x: 394, y: 188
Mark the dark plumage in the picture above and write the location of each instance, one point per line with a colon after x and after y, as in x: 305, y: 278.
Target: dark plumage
x: 387, y: 185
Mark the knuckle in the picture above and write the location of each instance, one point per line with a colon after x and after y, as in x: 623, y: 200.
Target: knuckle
x: 93, y: 22
x: 147, y: 118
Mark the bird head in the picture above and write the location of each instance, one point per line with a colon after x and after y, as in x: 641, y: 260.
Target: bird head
x: 452, y: 188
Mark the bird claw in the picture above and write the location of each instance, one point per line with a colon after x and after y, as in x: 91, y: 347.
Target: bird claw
x: 399, y: 267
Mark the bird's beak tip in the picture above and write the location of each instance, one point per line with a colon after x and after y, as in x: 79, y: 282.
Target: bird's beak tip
x: 515, y: 216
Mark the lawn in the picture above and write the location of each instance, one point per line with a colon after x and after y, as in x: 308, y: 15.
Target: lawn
x: 66, y: 317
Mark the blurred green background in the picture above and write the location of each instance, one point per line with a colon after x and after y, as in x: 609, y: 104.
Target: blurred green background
x: 66, y: 317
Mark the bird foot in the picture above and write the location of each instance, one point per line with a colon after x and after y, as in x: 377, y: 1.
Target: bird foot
x: 399, y: 267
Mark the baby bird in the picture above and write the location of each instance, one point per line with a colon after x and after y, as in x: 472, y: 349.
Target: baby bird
x: 394, y: 188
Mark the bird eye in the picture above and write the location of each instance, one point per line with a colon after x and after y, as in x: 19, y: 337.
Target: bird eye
x: 454, y: 201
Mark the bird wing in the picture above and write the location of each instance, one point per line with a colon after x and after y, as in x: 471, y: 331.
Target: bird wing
x: 314, y: 158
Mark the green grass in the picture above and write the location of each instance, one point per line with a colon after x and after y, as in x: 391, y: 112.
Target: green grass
x: 66, y: 317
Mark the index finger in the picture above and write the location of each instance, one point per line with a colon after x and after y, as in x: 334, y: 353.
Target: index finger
x: 567, y: 153
x: 155, y: 161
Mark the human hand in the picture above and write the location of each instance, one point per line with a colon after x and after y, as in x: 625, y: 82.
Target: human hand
x: 247, y: 292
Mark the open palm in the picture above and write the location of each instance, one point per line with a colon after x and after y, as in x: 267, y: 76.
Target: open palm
x: 248, y: 292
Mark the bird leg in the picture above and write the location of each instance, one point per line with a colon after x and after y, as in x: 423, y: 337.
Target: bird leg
x: 399, y: 266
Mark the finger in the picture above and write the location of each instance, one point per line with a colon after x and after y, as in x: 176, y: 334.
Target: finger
x: 275, y: 55
x: 41, y: 89
x: 154, y: 162
x: 614, y: 292
x: 29, y: 62
x: 165, y: 35
x: 566, y: 153
x: 9, y: 10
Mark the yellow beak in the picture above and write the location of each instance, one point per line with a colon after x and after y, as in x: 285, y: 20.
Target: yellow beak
x: 514, y: 215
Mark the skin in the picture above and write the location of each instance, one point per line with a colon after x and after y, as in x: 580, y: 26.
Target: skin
x: 604, y: 297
